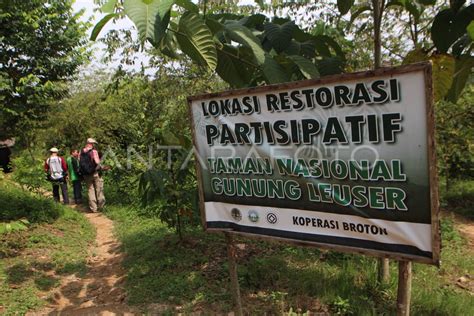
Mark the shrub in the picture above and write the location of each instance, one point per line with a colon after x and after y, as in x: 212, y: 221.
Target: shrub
x: 29, y: 172
x: 17, y: 203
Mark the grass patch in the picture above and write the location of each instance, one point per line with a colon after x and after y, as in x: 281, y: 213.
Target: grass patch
x: 17, y: 203
x: 31, y: 260
x: 276, y: 278
x: 459, y: 198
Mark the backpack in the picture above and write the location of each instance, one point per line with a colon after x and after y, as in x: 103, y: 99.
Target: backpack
x: 87, y: 165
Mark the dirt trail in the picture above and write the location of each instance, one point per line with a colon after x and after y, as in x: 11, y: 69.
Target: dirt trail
x: 100, y: 291
x: 466, y: 227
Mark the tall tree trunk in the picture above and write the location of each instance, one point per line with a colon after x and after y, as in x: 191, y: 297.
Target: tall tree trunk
x: 378, y: 11
x: 378, y: 7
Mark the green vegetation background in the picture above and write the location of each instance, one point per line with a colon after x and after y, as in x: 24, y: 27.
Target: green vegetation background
x: 169, y: 260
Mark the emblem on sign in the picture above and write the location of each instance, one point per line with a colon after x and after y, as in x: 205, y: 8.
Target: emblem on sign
x: 253, y: 216
x: 272, y: 218
x: 236, y: 215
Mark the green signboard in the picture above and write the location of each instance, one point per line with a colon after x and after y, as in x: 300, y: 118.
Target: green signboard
x: 345, y: 162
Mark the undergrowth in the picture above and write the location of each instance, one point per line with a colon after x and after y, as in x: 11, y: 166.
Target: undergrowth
x: 276, y: 278
x: 32, y: 260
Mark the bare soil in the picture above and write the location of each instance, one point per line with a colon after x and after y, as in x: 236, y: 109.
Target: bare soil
x: 100, y: 291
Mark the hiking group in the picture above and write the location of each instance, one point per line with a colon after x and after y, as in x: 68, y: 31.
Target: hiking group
x: 84, y: 166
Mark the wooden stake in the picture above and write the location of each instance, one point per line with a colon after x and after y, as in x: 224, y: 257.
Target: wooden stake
x: 383, y: 270
x: 233, y: 274
x: 404, y: 288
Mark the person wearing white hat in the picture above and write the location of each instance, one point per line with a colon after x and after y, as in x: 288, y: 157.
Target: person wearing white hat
x: 89, y: 166
x: 56, y: 169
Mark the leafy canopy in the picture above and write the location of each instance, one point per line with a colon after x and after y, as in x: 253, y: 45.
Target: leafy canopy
x: 244, y: 50
x: 41, y: 47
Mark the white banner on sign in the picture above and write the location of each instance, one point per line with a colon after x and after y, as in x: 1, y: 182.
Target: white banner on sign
x: 325, y: 224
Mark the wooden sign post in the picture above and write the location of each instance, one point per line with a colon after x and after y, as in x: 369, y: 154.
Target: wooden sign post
x: 404, y: 288
x: 234, y: 280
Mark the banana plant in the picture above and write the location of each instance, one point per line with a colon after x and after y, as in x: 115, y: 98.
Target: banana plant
x: 244, y: 50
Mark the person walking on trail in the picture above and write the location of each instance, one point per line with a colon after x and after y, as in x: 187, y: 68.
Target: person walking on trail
x: 75, y: 176
x: 56, y: 170
x: 89, y: 166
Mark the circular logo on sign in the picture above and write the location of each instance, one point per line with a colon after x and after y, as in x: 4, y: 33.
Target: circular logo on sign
x: 272, y: 218
x: 253, y: 216
x: 236, y: 215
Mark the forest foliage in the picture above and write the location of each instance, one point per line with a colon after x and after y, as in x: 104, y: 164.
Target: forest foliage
x: 141, y: 121
x: 210, y: 46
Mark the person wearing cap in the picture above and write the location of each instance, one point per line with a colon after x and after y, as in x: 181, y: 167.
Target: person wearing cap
x: 90, y: 166
x: 56, y: 169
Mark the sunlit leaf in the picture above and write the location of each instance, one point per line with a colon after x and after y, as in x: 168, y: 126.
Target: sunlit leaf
x: 240, y: 34
x: 98, y: 27
x: 470, y: 30
x: 188, y: 5
x: 109, y: 6
x: 196, y: 40
x: 150, y: 17
x: 415, y: 56
x: 443, y: 73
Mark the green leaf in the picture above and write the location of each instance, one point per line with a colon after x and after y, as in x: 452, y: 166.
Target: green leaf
x: 231, y: 68
x: 253, y: 21
x: 196, y: 40
x: 344, y: 6
x: 273, y: 72
x: 240, y: 34
x: 415, y: 56
x: 357, y: 12
x: 443, y: 72
x: 109, y: 6
x: 448, y: 26
x: 442, y: 32
x: 260, y: 3
x: 330, y: 66
x: 150, y: 17
x: 307, y: 68
x: 98, y: 27
x: 168, y: 45
x: 460, y: 45
x: 463, y: 18
x: 280, y: 35
x: 188, y: 5
x: 470, y: 30
x: 324, y: 42
x: 462, y: 72
x: 214, y: 25
x: 427, y: 2
x: 414, y: 8
x: 456, y: 4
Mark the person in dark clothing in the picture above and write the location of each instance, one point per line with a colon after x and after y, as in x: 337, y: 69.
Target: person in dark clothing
x: 75, y: 177
x: 5, y: 153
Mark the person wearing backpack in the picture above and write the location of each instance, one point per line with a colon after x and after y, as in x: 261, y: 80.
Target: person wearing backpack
x: 75, y: 176
x: 89, y: 167
x: 56, y: 173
